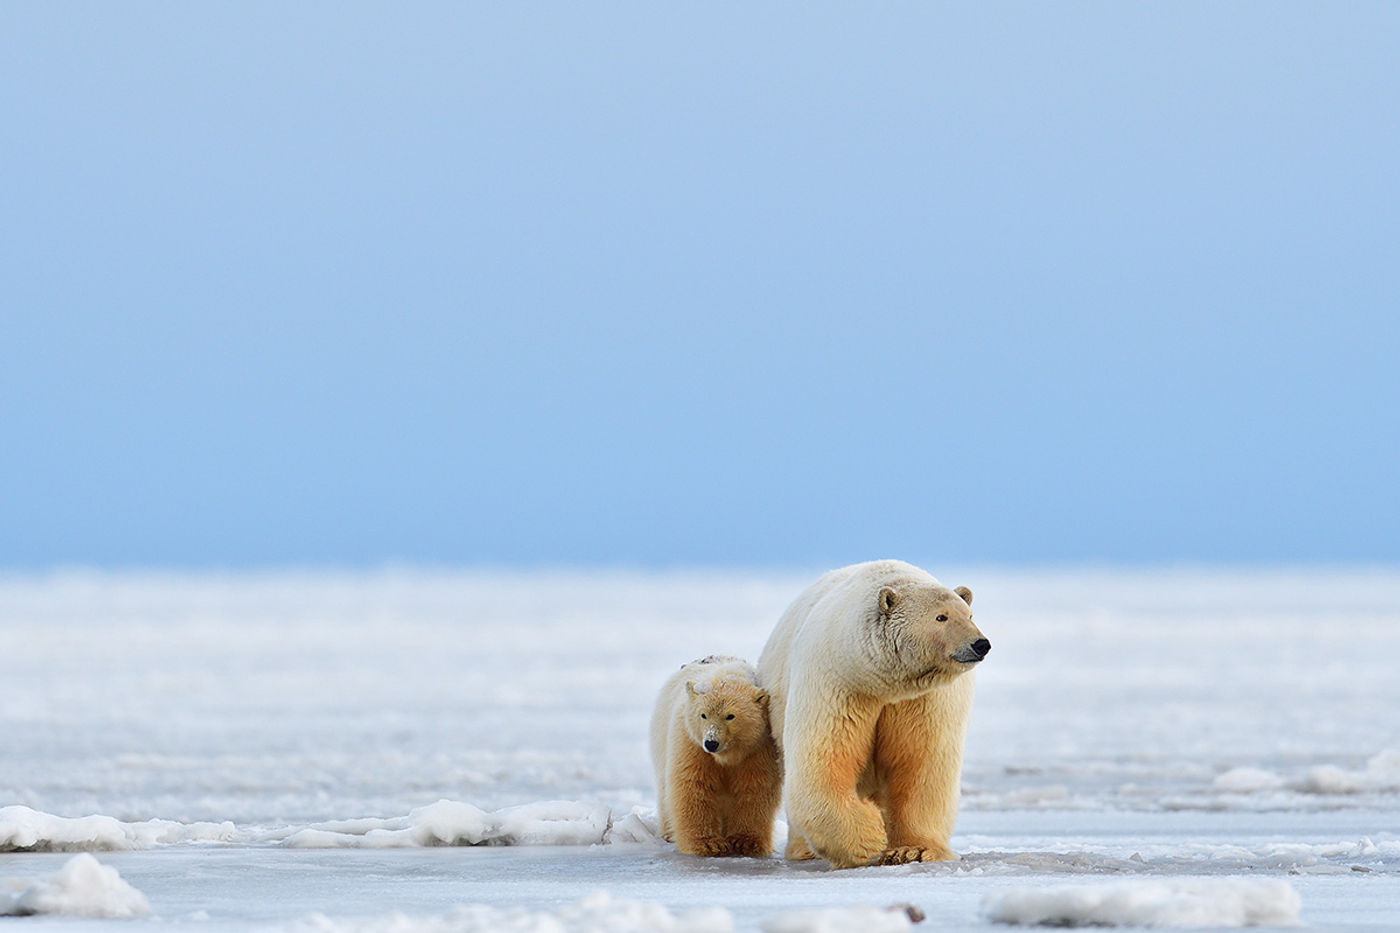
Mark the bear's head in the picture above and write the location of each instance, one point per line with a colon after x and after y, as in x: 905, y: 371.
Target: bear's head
x: 923, y: 633
x: 727, y: 717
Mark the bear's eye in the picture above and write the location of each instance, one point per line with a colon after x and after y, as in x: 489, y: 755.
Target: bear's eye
x: 942, y: 617
x: 703, y: 716
x: 730, y: 716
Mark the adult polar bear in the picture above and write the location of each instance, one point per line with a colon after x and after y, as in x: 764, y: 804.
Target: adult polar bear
x: 870, y: 700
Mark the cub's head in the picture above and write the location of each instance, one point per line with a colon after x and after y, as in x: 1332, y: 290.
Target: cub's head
x: 726, y: 718
x: 924, y: 633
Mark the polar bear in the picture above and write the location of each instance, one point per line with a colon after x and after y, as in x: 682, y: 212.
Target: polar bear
x: 868, y: 673
x: 718, y: 777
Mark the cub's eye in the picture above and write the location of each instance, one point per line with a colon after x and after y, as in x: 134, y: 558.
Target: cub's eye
x: 942, y: 617
x: 703, y: 716
x: 730, y: 716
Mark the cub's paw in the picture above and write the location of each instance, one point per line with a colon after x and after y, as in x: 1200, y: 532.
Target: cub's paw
x: 747, y: 845
x: 705, y: 845
x: 903, y: 855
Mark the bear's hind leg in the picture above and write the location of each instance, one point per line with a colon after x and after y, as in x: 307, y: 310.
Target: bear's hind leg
x: 797, y: 848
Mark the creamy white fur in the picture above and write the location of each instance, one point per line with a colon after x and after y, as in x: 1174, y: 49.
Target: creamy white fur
x: 870, y: 710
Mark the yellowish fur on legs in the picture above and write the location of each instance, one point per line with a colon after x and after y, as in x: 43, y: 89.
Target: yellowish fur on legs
x: 722, y: 810
x: 879, y: 787
x: 915, y: 772
x: 824, y: 805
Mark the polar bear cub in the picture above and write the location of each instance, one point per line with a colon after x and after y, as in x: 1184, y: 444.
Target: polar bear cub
x: 718, y: 776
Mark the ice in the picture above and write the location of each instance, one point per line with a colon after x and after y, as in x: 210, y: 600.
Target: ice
x: 641, y: 825
x: 83, y: 887
x: 452, y: 823
x: 1179, y: 904
x: 841, y: 920
x: 1246, y: 780
x: 250, y: 750
x: 597, y: 913
x: 1382, y: 773
x: 22, y: 828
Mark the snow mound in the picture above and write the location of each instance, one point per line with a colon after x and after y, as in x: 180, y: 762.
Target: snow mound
x: 83, y: 887
x: 597, y: 913
x: 23, y: 829
x: 450, y: 823
x: 1382, y: 773
x: 1182, y: 904
x: 841, y: 920
x: 642, y: 825
x: 1248, y: 781
x: 445, y: 823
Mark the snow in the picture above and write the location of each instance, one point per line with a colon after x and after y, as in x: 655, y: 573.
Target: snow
x: 841, y: 920
x: 22, y: 828
x: 82, y: 887
x: 597, y: 913
x: 1179, y: 904
x: 285, y: 749
x: 451, y: 823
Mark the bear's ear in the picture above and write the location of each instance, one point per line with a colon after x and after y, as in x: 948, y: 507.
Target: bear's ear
x: 965, y: 593
x: 763, y: 698
x: 886, y: 601
x: 690, y: 687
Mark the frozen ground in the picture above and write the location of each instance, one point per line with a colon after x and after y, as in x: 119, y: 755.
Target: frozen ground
x: 409, y: 750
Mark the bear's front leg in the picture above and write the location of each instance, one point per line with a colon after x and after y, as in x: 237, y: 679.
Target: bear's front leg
x: 756, y: 791
x: 695, y: 821
x: 823, y: 767
x: 918, y: 750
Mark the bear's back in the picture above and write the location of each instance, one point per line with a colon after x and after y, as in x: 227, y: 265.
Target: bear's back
x: 820, y: 621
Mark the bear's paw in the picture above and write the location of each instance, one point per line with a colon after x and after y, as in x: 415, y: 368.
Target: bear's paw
x: 747, y: 844
x: 903, y: 855
x: 705, y: 846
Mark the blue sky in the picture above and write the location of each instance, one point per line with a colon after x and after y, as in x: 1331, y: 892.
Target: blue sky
x: 733, y: 284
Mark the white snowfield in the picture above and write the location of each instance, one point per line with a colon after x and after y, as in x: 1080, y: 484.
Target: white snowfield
x: 421, y: 750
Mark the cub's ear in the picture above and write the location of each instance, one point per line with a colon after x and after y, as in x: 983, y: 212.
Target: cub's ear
x: 763, y: 698
x: 690, y: 687
x: 965, y: 593
x: 886, y: 600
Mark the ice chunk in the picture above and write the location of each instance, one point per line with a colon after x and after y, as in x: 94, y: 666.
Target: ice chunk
x: 841, y: 920
x: 31, y: 830
x: 1382, y: 773
x: 551, y: 823
x: 643, y: 825
x: 1248, y: 781
x: 1177, y: 903
x: 451, y: 823
x: 83, y: 887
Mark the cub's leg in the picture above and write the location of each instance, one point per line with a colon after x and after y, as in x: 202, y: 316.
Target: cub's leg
x: 695, y: 784
x: 757, y: 789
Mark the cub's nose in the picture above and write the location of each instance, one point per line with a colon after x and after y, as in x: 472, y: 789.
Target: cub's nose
x: 711, y: 745
x: 982, y: 647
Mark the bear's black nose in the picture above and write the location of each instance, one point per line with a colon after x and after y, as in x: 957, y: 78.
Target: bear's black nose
x: 981, y: 646
x: 711, y: 745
